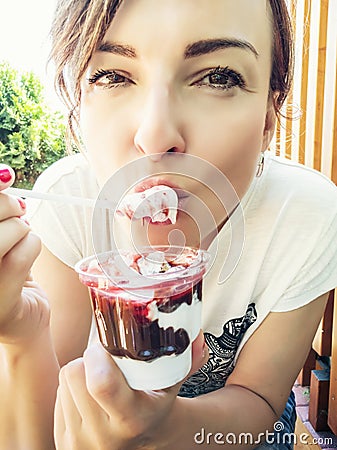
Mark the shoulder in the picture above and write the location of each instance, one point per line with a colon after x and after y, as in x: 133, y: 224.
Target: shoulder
x: 291, y: 202
x: 293, y: 192
x: 71, y: 174
x: 298, y: 182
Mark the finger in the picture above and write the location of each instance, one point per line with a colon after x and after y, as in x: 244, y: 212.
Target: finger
x: 88, y: 408
x: 68, y: 430
x: 199, y: 353
x: 11, y: 206
x: 7, y: 176
x: 71, y: 415
x: 16, y: 264
x: 59, y: 422
x: 106, y: 383
x: 11, y: 231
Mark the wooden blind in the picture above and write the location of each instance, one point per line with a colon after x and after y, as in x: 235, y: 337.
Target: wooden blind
x: 310, y: 137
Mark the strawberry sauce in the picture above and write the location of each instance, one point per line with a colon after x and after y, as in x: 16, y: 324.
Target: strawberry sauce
x: 128, y: 328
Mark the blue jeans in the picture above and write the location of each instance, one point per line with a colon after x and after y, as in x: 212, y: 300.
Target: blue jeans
x: 283, y: 436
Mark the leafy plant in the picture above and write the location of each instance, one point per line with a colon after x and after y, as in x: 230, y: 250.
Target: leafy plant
x: 32, y: 136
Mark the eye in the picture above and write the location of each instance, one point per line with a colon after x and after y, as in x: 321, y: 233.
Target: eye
x: 222, y: 78
x: 108, y: 79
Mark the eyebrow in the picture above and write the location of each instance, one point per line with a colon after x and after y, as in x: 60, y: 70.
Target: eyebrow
x: 207, y: 46
x: 118, y: 49
x: 193, y: 50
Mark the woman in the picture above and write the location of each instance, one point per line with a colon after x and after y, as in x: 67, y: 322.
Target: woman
x: 142, y: 79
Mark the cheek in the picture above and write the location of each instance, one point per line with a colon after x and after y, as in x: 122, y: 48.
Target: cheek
x: 233, y: 143
x: 105, y: 136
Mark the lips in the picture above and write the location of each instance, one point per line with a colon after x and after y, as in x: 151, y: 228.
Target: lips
x: 148, y: 184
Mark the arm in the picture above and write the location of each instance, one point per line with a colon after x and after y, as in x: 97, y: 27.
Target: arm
x: 29, y: 368
x: 93, y: 392
x: 70, y: 305
x: 257, y: 390
x: 28, y: 380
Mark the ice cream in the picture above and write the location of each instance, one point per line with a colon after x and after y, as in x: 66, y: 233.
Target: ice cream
x: 159, y: 203
x: 148, y: 330
x: 164, y: 310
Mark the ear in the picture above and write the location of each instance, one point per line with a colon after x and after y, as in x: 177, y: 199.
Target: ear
x: 269, y: 125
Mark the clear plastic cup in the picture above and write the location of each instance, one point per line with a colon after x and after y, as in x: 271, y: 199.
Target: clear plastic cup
x: 147, y: 322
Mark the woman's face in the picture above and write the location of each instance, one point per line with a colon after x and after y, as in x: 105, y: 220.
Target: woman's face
x: 189, y: 76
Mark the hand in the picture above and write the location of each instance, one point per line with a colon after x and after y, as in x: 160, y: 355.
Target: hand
x: 95, y: 407
x: 23, y: 307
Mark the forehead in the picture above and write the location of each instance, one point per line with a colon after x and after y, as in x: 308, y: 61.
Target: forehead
x: 153, y: 24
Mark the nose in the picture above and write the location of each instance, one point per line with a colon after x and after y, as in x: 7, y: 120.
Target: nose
x: 159, y: 129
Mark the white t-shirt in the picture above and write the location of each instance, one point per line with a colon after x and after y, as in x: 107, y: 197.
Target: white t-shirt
x: 289, y: 256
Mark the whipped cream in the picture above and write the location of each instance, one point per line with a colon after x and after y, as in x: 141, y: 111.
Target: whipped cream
x: 185, y: 317
x: 152, y: 264
x: 160, y: 203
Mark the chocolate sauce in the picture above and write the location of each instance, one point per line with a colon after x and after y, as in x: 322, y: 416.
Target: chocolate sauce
x: 126, y: 329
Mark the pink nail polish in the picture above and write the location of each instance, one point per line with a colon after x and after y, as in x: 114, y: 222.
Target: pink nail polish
x: 5, y: 176
x: 22, y: 203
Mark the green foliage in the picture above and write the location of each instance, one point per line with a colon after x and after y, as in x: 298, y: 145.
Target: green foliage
x: 32, y: 136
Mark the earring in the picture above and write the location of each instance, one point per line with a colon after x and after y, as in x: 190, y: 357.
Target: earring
x: 260, y: 166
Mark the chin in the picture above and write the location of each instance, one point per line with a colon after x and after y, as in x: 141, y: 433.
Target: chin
x: 184, y: 232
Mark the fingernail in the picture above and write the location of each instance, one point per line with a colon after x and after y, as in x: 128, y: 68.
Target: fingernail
x: 5, y: 176
x: 22, y: 203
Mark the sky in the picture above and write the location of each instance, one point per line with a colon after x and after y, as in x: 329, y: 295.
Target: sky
x: 24, y: 28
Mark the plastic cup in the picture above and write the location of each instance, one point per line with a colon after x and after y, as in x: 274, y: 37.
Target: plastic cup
x: 147, y: 322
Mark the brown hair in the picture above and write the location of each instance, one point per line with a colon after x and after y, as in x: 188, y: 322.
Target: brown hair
x: 77, y: 28
x: 283, y: 60
x: 79, y: 25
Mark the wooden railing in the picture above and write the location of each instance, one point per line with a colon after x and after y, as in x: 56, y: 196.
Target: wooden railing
x: 308, y: 134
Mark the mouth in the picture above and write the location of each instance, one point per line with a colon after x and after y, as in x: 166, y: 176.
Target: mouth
x: 155, y: 201
x: 148, y: 184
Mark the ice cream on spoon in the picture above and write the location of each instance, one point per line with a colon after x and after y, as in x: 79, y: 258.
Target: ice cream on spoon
x: 159, y: 203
